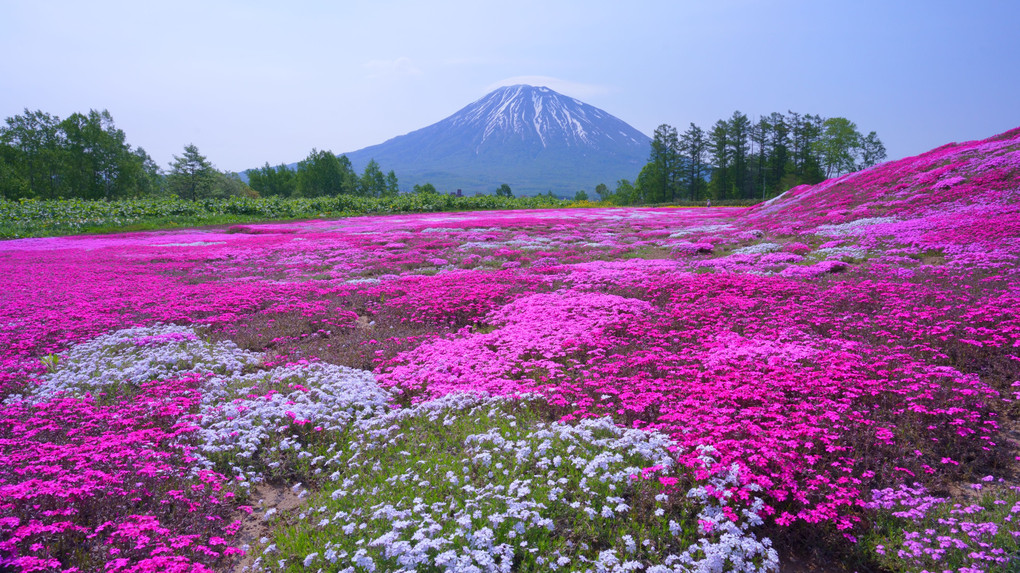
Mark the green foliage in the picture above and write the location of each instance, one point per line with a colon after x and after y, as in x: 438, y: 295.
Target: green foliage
x: 939, y: 534
x: 720, y: 186
x: 581, y: 195
x: 373, y: 182
x: 425, y: 189
x: 660, y: 179
x: 44, y: 218
x: 279, y: 181
x: 392, y: 185
x: 504, y: 191
x: 83, y: 156
x: 872, y: 151
x: 737, y: 133
x: 836, y: 145
x: 350, y: 184
x: 463, y: 471
x: 748, y: 160
x: 625, y: 193
x: 191, y: 175
x: 693, y: 148
x: 650, y: 184
x: 12, y: 184
x: 231, y: 185
x: 321, y: 173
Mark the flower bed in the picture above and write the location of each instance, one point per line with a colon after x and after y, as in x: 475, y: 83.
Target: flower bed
x: 840, y: 341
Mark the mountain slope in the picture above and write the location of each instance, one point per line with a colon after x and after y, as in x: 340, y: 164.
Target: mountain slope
x: 532, y: 138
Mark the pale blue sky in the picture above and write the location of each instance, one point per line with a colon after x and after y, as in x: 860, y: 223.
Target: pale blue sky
x: 250, y: 82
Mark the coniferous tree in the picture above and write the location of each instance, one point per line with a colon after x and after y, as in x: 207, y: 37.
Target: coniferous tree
x: 720, y: 187
x: 760, y: 133
x: 737, y: 133
x: 373, y: 182
x: 350, y: 184
x: 660, y: 181
x: 392, y: 185
x: 778, y: 153
x: 191, y: 175
x: 694, y: 146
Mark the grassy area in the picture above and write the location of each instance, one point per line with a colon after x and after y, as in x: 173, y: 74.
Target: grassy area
x: 31, y: 218
x: 50, y: 218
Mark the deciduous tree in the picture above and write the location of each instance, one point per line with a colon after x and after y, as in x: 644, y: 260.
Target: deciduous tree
x: 35, y: 137
x: 425, y: 189
x: 320, y: 174
x: 872, y: 151
x: 837, y: 145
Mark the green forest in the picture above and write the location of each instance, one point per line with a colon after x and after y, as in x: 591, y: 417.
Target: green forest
x: 85, y: 156
x: 743, y: 160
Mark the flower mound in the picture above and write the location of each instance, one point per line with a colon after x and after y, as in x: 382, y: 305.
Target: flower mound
x: 520, y: 495
x: 839, y: 341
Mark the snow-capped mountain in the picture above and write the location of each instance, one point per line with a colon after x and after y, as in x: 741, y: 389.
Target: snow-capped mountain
x: 542, y: 117
x: 532, y: 138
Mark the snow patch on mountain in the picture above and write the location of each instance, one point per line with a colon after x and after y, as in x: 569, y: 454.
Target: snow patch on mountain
x: 539, y: 113
x: 532, y: 138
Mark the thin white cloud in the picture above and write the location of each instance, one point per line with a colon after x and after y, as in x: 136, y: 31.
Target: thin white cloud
x: 566, y: 87
x: 402, y: 66
x: 467, y: 61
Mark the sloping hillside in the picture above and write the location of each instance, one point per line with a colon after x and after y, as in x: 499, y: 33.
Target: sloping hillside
x: 962, y: 197
x: 615, y: 389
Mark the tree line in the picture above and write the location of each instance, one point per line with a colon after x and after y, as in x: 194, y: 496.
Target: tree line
x: 322, y: 174
x: 741, y: 159
x: 82, y: 156
x: 85, y: 156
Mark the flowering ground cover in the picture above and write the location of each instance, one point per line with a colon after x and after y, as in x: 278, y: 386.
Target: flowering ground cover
x: 573, y: 389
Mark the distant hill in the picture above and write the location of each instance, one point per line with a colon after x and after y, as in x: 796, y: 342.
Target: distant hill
x: 532, y: 138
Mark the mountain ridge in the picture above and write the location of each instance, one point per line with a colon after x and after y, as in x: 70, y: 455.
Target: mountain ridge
x: 532, y: 138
